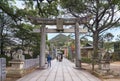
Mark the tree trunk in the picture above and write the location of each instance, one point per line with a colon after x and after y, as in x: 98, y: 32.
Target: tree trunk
x: 1, y: 41
x: 22, y: 46
x: 77, y: 46
x: 95, y: 48
x: 1, y: 47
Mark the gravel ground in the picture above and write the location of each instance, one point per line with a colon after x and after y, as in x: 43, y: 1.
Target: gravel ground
x: 114, y: 67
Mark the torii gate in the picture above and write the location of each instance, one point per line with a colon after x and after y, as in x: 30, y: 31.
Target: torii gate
x: 59, y: 22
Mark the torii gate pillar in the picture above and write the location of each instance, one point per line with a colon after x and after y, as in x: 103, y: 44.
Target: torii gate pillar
x: 77, y: 46
x: 42, y: 47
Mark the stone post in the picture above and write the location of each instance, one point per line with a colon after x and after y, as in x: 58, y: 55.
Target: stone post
x: 42, y: 47
x: 77, y: 46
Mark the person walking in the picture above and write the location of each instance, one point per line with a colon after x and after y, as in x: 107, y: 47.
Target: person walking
x: 49, y: 60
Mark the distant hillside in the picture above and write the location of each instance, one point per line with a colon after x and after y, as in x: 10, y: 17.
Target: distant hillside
x: 59, y: 38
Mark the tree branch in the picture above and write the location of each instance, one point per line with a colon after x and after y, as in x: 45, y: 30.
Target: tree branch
x: 73, y: 13
x: 108, y: 26
x: 106, y: 23
x: 89, y: 27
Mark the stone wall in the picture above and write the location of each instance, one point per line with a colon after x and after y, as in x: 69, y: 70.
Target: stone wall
x: 2, y: 69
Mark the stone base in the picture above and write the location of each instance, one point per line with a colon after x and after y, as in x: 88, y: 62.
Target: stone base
x: 17, y: 64
x: 18, y: 73
x: 15, y: 73
x: 103, y: 72
x: 78, y: 63
x: 16, y: 70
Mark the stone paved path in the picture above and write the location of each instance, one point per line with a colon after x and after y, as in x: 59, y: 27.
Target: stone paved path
x: 112, y: 80
x: 60, y: 71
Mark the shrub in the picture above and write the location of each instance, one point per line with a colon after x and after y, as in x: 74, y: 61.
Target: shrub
x: 116, y: 57
x: 27, y: 56
x: 86, y: 60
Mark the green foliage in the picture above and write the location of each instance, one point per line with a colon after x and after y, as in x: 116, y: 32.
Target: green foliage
x: 7, y: 7
x: 27, y: 56
x: 69, y: 56
x: 36, y: 46
x: 49, y: 9
x: 29, y: 4
x: 36, y: 51
x: 29, y: 40
x: 117, y: 47
x: 20, y: 29
x: 74, y: 5
x: 42, y: 9
x: 23, y: 31
x: 109, y: 46
x: 48, y: 43
x: 116, y: 2
x: 108, y: 37
x: 5, y: 31
x: 116, y: 57
x: 102, y: 13
x: 86, y: 60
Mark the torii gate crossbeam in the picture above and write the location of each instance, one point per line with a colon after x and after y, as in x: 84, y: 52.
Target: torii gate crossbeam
x: 81, y: 30
x: 67, y: 21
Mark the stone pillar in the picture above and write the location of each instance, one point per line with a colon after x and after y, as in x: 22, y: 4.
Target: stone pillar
x: 77, y: 46
x: 42, y: 47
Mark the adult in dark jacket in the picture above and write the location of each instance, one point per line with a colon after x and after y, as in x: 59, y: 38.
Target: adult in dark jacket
x: 49, y: 60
